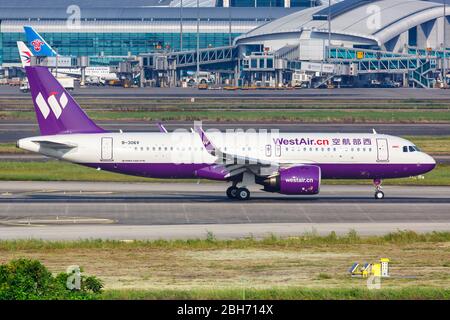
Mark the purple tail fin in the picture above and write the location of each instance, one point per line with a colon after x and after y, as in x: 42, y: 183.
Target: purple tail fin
x: 56, y: 110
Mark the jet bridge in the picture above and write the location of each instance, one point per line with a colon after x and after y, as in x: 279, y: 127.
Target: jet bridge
x: 418, y: 67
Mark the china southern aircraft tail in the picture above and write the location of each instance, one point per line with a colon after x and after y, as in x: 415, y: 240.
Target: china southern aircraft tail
x: 56, y: 111
x: 25, y: 54
x: 39, y: 47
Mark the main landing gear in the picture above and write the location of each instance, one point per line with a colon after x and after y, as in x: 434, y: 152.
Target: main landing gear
x: 378, y: 193
x: 234, y: 192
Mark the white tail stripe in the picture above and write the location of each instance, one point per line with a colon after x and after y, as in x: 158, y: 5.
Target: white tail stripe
x: 56, y: 108
x: 63, y: 100
x: 40, y: 101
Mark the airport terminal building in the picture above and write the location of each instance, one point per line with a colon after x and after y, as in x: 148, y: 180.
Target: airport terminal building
x: 269, y: 42
x: 121, y: 28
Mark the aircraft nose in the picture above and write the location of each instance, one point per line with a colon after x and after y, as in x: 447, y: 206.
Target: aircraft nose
x: 429, y: 163
x: 431, y: 160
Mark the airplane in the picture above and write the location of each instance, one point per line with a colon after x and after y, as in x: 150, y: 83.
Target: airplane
x: 25, y: 54
x: 285, y: 163
x: 39, y: 47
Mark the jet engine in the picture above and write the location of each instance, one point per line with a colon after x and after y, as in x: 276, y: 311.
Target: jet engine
x: 300, y: 180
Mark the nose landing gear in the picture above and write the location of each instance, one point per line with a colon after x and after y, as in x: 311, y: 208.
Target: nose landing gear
x: 378, y: 193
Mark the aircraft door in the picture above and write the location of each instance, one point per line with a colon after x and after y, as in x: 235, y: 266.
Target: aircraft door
x: 382, y: 150
x: 278, y: 150
x: 268, y: 150
x: 107, y: 149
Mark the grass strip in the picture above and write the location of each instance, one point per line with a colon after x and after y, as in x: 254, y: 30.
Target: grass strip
x: 305, y: 116
x: 411, y: 293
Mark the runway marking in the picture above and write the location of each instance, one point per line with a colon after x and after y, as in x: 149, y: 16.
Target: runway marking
x: 365, y: 213
x: 246, y: 214
x: 186, y: 214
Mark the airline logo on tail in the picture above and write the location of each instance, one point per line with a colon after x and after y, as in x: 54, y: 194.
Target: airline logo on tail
x: 25, y: 54
x: 52, y: 104
x: 37, y: 44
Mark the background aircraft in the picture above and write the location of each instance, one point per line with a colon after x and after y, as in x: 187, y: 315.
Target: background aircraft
x: 287, y: 163
x: 39, y: 47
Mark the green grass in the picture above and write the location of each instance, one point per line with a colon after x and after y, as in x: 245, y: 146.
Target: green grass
x: 400, y: 237
x: 63, y: 171
x: 310, y: 116
x: 412, y: 293
x: 238, y: 103
x: 58, y: 171
x: 10, y: 148
x: 298, y: 116
x: 308, y: 266
x: 435, y: 145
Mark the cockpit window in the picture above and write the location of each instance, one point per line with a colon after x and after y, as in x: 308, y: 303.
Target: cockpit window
x: 410, y: 149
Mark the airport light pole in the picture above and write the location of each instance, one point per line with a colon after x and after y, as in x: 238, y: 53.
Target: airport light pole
x: 181, y: 25
x: 444, y: 62
x: 230, y: 41
x: 198, y: 40
x: 329, y: 28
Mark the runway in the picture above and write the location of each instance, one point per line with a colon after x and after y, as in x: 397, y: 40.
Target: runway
x: 123, y: 211
x: 361, y: 94
x: 11, y: 131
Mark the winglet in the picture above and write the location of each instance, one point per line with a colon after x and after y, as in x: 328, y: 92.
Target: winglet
x: 374, y: 131
x: 161, y: 127
x: 206, y: 142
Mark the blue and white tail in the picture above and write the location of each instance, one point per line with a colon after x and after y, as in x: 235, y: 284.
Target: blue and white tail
x: 56, y: 111
x: 39, y: 47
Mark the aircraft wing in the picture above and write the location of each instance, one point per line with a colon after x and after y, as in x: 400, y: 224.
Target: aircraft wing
x: 161, y: 127
x: 234, y: 163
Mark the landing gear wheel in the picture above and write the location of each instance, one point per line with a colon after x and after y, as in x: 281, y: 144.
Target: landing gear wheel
x: 243, y: 194
x: 232, y: 192
x: 379, y: 195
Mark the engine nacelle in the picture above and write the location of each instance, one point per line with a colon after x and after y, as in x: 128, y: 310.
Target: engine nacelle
x: 295, y: 181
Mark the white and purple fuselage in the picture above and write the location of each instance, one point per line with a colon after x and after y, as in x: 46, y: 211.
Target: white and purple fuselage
x: 183, y: 155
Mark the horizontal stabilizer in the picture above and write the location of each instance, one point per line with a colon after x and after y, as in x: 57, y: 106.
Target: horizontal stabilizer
x: 54, y: 145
